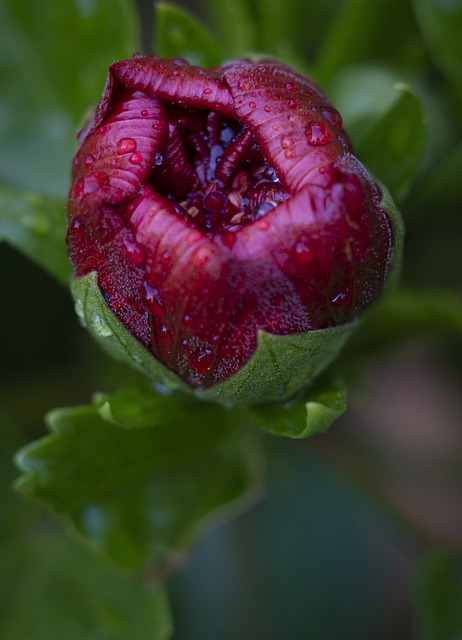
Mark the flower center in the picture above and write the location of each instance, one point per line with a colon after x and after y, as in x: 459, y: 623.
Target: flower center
x: 214, y: 171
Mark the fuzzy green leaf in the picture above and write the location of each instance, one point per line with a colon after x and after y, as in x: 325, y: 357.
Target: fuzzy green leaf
x: 393, y: 147
x: 36, y: 226
x: 311, y: 414
x: 439, y: 597
x: 179, y: 35
x: 140, y: 474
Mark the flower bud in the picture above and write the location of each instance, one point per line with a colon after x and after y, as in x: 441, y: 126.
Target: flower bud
x: 225, y: 217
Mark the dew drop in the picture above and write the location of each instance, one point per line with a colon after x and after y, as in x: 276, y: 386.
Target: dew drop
x: 318, y: 134
x: 165, y: 257
x: 102, y: 130
x: 252, y: 105
x: 91, y: 183
x: 286, y: 142
x: 341, y: 300
x: 290, y: 153
x: 275, y: 127
x: 290, y: 86
x: 100, y: 327
x: 133, y: 252
x: 145, y: 113
x: 136, y: 158
x: 207, y: 91
x: 264, y: 225
x: 303, y: 253
x: 324, y: 169
x: 194, y: 237
x: 88, y: 160
x: 201, y: 360
x: 126, y: 145
x: 228, y: 239
x: 201, y: 256
x: 166, y: 333
x: 188, y: 321
x: 152, y: 300
x: 333, y: 116
x: 157, y: 126
x: 267, y: 109
x: 292, y: 104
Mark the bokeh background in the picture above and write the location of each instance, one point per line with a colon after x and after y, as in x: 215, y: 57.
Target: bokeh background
x: 358, y: 533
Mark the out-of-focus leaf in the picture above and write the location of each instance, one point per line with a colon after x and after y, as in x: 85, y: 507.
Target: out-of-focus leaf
x: 236, y: 26
x: 364, y: 30
x: 439, y: 597
x: 140, y: 474
x: 403, y: 314
x: 441, y: 26
x: 393, y: 148
x: 52, y: 588
x: 179, y: 35
x: 35, y: 225
x: 53, y: 62
x: 310, y: 415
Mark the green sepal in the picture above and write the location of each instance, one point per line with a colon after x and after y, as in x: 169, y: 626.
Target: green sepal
x: 311, y: 414
x: 140, y: 474
x: 280, y: 366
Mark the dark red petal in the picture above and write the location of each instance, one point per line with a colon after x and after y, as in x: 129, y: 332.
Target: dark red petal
x: 285, y: 113
x: 175, y: 81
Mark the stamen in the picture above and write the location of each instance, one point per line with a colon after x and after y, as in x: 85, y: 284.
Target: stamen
x: 233, y: 155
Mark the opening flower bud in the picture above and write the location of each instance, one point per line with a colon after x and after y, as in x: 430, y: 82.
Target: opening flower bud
x: 219, y: 206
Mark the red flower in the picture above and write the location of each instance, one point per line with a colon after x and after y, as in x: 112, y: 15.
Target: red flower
x: 215, y: 203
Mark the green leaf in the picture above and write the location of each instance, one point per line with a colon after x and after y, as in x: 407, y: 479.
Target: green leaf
x: 441, y: 23
x: 36, y: 226
x: 54, y: 57
x: 179, y: 35
x: 439, y: 597
x: 236, y: 25
x: 393, y: 147
x: 140, y: 474
x: 53, y: 588
x: 356, y: 34
x: 404, y: 314
x: 311, y: 414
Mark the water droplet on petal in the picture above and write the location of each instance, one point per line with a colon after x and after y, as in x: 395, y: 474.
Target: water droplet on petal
x: 292, y: 104
x: 136, y: 158
x: 275, y: 127
x: 126, y: 145
x: 290, y: 86
x: 133, y: 252
x: 252, y: 105
x: 286, y: 142
x: 194, y: 237
x: 152, y: 300
x: 318, y: 134
x: 201, y: 361
x: 303, y: 253
x: 145, y: 113
x: 166, y: 333
x: 228, y: 239
x: 264, y: 225
x: 88, y: 160
x: 207, y: 91
x: 341, y: 299
x: 201, y: 256
x: 333, y: 116
x: 290, y: 153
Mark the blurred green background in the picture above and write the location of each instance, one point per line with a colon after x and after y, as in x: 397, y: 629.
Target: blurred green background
x: 358, y: 532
